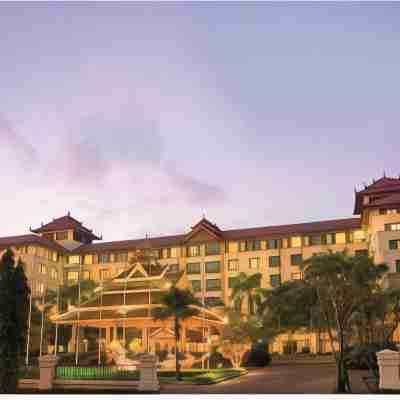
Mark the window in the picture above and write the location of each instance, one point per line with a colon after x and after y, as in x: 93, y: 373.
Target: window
x: 166, y: 253
x: 361, y: 252
x: 274, y: 261
x: 193, y: 251
x: 233, y: 265
x: 329, y: 238
x: 232, y: 281
x: 394, y: 244
x: 74, y: 260
x: 274, y: 243
x: 53, y: 274
x: 392, y: 227
x: 254, y: 263
x: 104, y: 258
x: 86, y: 275
x: 121, y: 257
x: 72, y: 275
x: 315, y: 240
x: 213, y: 267
x: 358, y: 236
x: 104, y: 274
x: 196, y: 286
x: 243, y: 245
x: 253, y: 245
x: 233, y: 247
x: 389, y: 211
x: 213, y: 284
x: 213, y: 302
x: 48, y: 236
x: 295, y: 241
x: 275, y: 280
x: 174, y: 252
x: 88, y: 259
x: 54, y: 256
x: 193, y: 268
x: 296, y: 276
x: 397, y: 265
x: 62, y: 235
x: 212, y: 248
x: 40, y: 288
x: 42, y: 268
x: 296, y: 259
x: 173, y: 268
x: 340, y: 238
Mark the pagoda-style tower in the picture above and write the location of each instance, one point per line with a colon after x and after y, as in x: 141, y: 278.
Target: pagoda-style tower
x: 67, y: 231
x: 378, y: 204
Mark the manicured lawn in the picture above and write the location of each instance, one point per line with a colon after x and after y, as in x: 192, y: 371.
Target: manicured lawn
x: 201, y: 376
x: 194, y: 376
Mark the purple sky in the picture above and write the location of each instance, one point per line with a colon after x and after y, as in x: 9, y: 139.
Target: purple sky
x: 139, y: 117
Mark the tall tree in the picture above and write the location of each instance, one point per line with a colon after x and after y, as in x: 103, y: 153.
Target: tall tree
x: 342, y: 284
x: 177, y: 305
x: 246, y: 288
x: 13, y: 315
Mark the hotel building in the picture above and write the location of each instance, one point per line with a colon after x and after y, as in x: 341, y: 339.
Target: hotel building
x: 210, y: 258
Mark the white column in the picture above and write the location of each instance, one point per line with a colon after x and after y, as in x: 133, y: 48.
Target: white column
x: 389, y: 369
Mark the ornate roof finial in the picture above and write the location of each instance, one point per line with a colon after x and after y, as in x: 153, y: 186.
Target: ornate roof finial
x: 41, y: 223
x: 384, y: 174
x: 373, y: 180
x: 69, y: 213
x: 365, y: 185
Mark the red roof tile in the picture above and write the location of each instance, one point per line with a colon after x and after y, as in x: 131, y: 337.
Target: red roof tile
x: 234, y: 234
x: 63, y: 223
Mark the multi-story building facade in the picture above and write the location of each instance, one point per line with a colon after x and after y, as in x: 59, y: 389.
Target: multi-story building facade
x: 212, y: 258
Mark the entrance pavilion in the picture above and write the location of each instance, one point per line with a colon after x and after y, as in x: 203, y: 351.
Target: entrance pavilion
x: 121, y: 310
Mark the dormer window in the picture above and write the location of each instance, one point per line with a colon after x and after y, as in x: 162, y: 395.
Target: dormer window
x: 62, y: 235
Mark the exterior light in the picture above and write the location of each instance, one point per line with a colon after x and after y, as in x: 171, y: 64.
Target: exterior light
x: 225, y: 320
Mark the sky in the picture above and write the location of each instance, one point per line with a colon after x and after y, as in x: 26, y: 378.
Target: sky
x: 139, y: 118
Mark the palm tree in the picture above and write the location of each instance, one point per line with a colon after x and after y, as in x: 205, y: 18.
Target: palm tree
x: 246, y: 287
x: 177, y: 304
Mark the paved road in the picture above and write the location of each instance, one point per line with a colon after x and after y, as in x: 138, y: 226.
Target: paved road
x: 280, y: 379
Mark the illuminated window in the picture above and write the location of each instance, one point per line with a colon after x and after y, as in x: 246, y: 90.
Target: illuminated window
x: 233, y: 247
x: 295, y: 241
x: 40, y: 288
x: 72, y: 276
x: 88, y: 259
x: 42, y: 269
x: 296, y: 276
x: 254, y: 263
x: 174, y: 252
x: 105, y: 274
x: 86, y: 275
x: 53, y: 274
x: 193, y: 251
x: 74, y: 259
x: 233, y: 265
x: 358, y: 236
x: 340, y: 238
x: 392, y: 227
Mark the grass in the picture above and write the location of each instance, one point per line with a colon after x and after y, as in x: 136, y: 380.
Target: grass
x: 201, y: 376
x: 193, y: 376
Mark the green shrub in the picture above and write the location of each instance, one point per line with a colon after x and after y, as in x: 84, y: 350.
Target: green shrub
x: 258, y: 356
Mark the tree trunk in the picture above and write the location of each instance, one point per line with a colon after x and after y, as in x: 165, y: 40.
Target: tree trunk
x: 342, y: 384
x: 177, y: 338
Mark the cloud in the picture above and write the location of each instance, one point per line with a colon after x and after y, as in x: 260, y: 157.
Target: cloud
x: 16, y: 145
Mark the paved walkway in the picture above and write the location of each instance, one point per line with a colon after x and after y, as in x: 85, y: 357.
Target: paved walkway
x: 289, y: 379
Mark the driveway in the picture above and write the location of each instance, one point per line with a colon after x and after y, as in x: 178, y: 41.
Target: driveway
x: 282, y: 379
